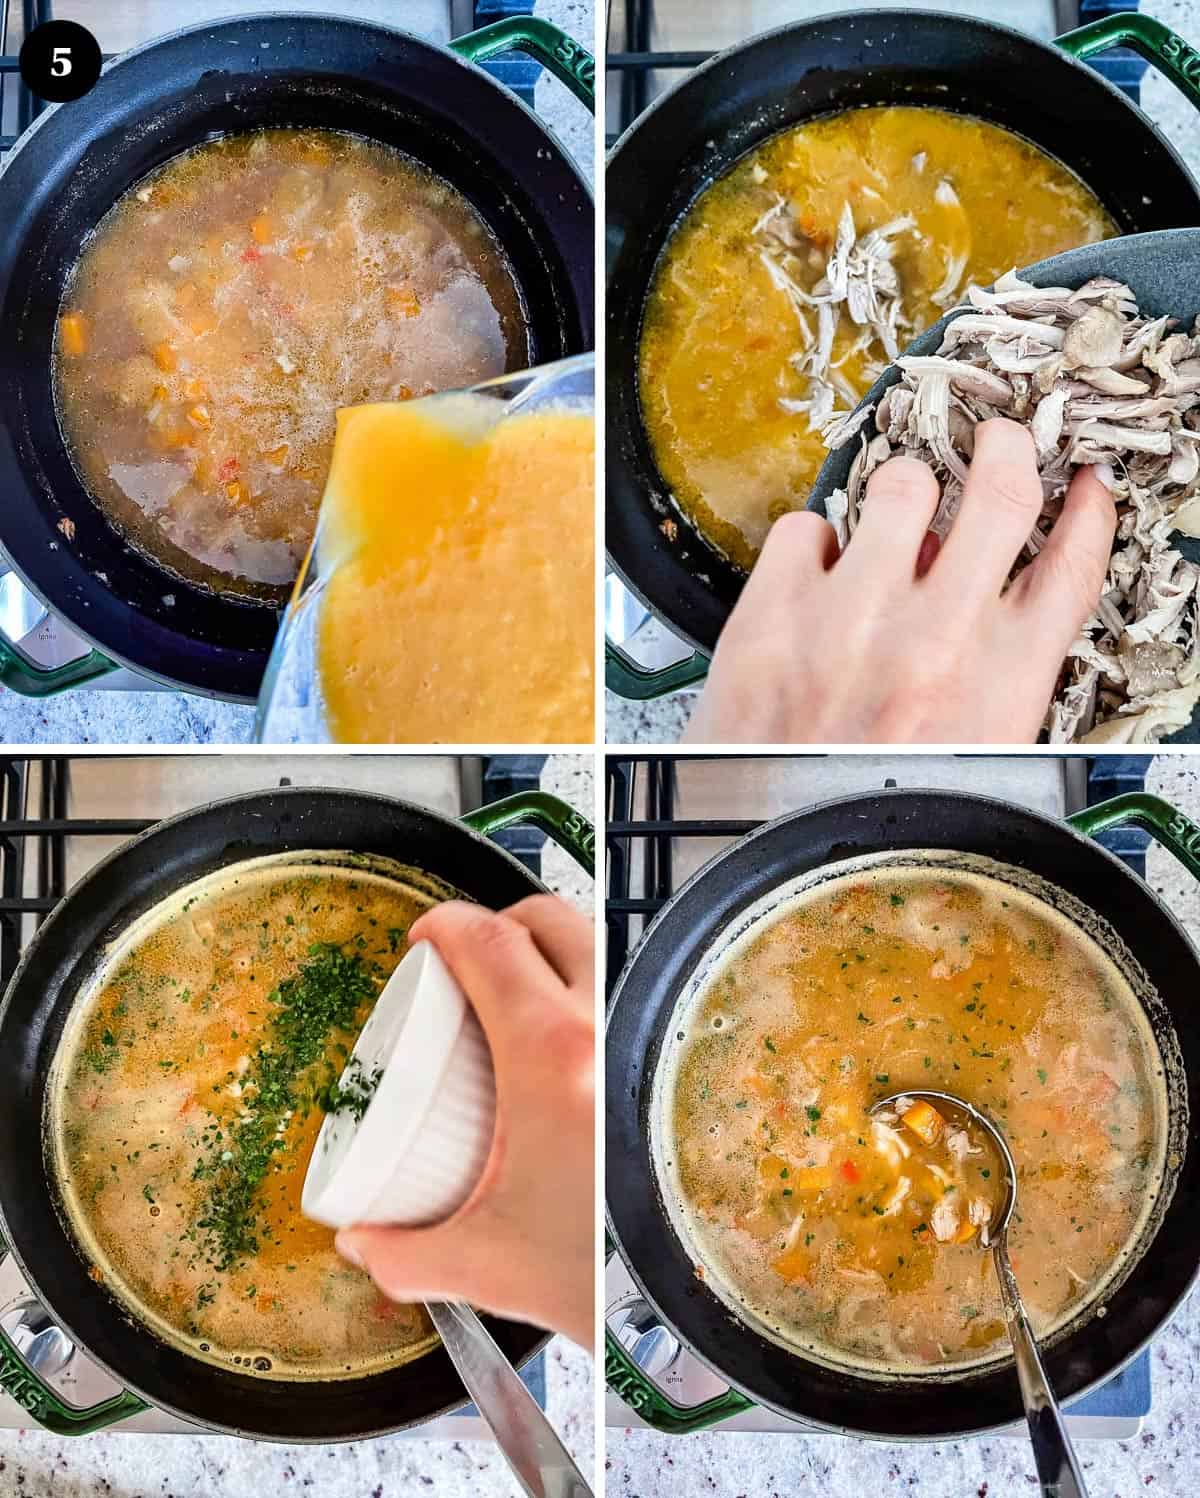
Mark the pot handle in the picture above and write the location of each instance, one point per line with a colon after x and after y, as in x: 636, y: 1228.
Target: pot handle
x: 24, y: 676
x: 623, y: 675
x: 569, y: 829
x: 647, y: 1400
x: 553, y: 48
x: 21, y: 675
x: 19, y: 1381
x: 1165, y: 823
x: 1148, y: 37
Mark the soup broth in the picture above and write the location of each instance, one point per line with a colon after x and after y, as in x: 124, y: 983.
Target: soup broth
x: 225, y: 309
x: 725, y: 335
x: 185, y: 1102
x: 859, y: 1239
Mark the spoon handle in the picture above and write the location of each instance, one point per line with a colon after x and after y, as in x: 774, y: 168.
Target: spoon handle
x: 537, y: 1457
x: 1052, y: 1451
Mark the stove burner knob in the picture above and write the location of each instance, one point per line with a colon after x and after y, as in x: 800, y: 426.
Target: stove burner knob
x: 43, y: 1345
x: 655, y: 1351
x: 651, y: 1346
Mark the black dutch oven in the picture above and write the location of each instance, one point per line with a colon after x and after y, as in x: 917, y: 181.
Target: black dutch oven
x: 54, y: 969
x: 758, y: 1370
x: 693, y: 134
x: 77, y: 159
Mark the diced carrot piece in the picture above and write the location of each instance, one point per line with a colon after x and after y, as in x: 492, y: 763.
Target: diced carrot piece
x: 73, y: 331
x: 302, y: 252
x: 237, y: 492
x: 194, y: 390
x: 793, y: 1266
x: 159, y: 393
x: 850, y: 1172
x: 260, y: 229
x: 200, y: 416
x: 924, y: 1121
x: 403, y: 300
x: 965, y: 1233
x: 164, y: 357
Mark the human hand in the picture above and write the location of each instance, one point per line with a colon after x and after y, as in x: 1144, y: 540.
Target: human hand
x: 522, y: 1245
x: 899, y: 641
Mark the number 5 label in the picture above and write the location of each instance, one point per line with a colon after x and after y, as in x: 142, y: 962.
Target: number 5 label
x: 60, y: 61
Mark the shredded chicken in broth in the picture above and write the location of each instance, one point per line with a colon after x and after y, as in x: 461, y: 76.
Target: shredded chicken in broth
x: 858, y: 1238
x: 230, y: 304
x: 185, y: 1103
x: 794, y: 280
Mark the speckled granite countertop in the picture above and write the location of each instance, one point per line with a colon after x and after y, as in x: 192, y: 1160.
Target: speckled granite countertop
x: 1163, y: 1460
x: 111, y: 1465
x: 88, y: 716
x: 662, y: 721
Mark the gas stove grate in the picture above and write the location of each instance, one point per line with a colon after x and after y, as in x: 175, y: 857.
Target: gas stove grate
x: 36, y: 822
x: 516, y: 72
x: 636, y: 58
x: 645, y: 837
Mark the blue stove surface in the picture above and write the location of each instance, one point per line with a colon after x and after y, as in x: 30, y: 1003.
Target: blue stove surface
x: 533, y: 1376
x: 1126, y: 1395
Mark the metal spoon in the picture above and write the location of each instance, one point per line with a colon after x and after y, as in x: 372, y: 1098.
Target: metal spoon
x: 1053, y: 1453
x: 539, y: 1460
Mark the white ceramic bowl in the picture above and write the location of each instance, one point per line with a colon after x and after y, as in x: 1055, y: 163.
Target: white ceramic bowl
x: 423, y: 1139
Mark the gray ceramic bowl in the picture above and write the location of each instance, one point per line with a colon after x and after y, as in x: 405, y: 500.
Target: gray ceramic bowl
x: 1163, y: 269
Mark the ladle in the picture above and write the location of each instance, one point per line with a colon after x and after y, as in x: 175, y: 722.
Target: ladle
x: 1053, y: 1453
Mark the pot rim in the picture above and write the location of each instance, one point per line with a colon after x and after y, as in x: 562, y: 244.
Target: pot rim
x: 271, y: 17
x: 748, y: 1332
x: 59, y: 913
x: 878, y: 13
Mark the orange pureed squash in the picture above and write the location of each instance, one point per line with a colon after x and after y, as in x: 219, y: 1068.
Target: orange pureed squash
x: 459, y: 553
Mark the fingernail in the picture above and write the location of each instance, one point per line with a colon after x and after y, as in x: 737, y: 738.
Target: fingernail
x: 347, y: 1250
x: 1104, y: 472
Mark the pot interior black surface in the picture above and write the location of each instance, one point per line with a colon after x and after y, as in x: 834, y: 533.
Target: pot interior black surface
x: 55, y: 967
x: 694, y: 133
x: 235, y: 76
x: 642, y: 1005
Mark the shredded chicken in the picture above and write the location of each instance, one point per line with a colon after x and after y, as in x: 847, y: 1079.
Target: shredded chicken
x: 859, y: 281
x: 1096, y: 382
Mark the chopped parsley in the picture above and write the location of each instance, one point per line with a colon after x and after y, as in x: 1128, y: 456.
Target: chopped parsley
x: 324, y: 995
x: 354, y: 1092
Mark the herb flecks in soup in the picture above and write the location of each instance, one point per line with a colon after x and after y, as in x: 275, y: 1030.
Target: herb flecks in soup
x: 230, y: 304
x: 185, y: 1104
x: 793, y: 281
x: 458, y: 544
x: 858, y: 1239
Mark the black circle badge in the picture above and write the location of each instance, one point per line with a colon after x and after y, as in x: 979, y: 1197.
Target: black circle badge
x: 60, y: 61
